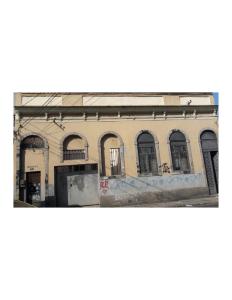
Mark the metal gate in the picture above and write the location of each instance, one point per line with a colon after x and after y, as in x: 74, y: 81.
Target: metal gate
x: 76, y: 185
x: 115, y: 161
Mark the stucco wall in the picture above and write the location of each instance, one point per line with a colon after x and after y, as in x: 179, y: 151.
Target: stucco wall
x: 123, y: 100
x: 72, y: 99
x: 127, y: 129
x: 131, y: 190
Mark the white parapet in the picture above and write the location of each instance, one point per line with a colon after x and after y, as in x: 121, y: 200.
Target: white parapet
x: 193, y: 100
x: 122, y: 101
x: 41, y: 100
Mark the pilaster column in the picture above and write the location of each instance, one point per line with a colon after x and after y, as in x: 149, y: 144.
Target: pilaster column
x: 17, y: 171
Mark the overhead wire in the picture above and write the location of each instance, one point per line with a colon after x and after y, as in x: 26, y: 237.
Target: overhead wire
x: 25, y: 104
x: 56, y: 144
x: 44, y: 107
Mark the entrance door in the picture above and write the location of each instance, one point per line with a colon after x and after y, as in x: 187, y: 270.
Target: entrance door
x: 210, y: 154
x: 33, y: 187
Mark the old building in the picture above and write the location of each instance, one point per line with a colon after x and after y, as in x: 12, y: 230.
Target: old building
x: 79, y: 149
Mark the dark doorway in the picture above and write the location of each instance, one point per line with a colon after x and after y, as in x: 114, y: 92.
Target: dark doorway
x: 33, y: 191
x: 210, y: 154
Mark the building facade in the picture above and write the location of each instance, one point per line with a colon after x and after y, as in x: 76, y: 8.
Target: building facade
x: 114, y: 149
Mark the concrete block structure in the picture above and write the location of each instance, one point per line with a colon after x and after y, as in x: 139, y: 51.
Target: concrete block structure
x: 114, y: 149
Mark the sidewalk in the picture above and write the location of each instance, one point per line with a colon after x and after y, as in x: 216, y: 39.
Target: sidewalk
x: 198, y: 202
x: 18, y: 203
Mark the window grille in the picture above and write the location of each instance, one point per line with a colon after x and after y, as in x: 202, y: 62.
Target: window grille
x: 32, y: 142
x: 74, y: 154
x: 115, y: 161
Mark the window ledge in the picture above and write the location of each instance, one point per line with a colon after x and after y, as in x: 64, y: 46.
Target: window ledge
x: 112, y: 177
x: 180, y: 173
x: 149, y: 175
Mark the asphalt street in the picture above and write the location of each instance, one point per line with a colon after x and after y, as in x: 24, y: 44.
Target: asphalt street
x: 197, y: 202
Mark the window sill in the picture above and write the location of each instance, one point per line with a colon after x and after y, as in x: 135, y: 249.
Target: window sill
x: 113, y: 177
x: 149, y: 175
x: 180, y: 173
x: 75, y: 159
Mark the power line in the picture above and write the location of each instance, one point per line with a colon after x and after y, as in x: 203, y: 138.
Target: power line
x: 40, y: 111
x: 30, y: 100
x: 57, y: 143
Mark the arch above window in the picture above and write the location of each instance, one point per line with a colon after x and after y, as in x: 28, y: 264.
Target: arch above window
x: 177, y: 136
x: 145, y: 137
x: 209, y: 140
x: 74, y: 147
x: 208, y: 135
x: 32, y: 142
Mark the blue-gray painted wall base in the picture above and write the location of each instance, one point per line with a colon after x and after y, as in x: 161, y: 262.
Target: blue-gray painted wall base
x: 131, y: 190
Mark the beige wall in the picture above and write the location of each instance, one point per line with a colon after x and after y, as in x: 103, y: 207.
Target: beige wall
x: 127, y: 129
x: 75, y: 143
x: 195, y: 100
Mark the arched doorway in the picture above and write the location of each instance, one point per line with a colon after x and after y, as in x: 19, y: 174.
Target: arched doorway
x: 32, y: 169
x: 111, y: 155
x: 209, y: 148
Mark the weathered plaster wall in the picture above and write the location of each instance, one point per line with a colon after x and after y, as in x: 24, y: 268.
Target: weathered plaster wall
x: 131, y: 190
x: 42, y: 100
x: 122, y: 100
x: 71, y: 99
x: 195, y: 100
x: 127, y: 129
x: 82, y: 189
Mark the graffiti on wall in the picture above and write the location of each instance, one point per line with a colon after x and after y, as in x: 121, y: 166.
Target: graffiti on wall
x: 104, y: 185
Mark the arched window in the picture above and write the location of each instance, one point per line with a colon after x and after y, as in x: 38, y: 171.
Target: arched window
x: 32, y: 142
x: 147, y: 154
x: 73, y: 148
x: 209, y: 140
x: 179, y: 152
